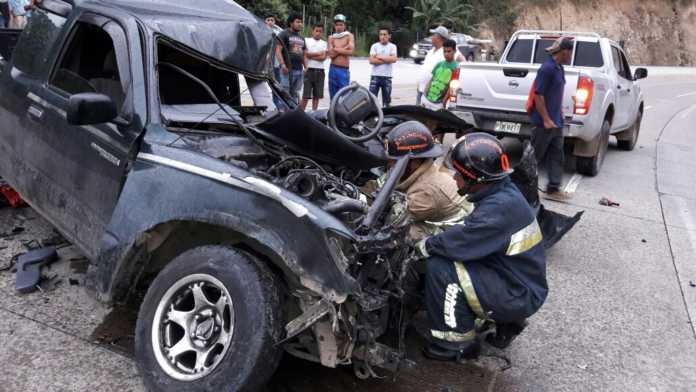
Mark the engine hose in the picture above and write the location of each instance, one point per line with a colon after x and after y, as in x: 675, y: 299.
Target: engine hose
x: 340, y: 206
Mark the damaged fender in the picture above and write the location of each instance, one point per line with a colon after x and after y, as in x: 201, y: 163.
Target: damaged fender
x: 171, y: 185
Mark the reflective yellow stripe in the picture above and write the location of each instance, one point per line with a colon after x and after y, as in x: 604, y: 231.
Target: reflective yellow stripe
x: 451, y: 336
x: 524, y: 239
x: 469, y: 291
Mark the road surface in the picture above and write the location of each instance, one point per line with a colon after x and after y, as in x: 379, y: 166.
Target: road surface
x: 618, y: 317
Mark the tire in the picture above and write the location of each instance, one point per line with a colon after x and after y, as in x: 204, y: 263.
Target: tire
x: 231, y: 304
x: 629, y: 138
x: 591, y: 166
x: 418, y: 61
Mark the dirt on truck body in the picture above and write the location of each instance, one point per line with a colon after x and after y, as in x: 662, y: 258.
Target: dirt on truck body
x: 239, y: 231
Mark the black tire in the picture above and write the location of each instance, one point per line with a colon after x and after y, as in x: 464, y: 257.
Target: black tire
x: 629, y: 138
x: 251, y: 357
x: 590, y: 166
x: 418, y: 61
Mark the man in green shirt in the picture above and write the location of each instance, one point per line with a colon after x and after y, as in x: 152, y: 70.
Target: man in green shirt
x: 437, y: 89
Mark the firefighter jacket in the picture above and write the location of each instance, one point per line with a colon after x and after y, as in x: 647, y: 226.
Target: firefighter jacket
x: 433, y: 200
x: 498, y: 250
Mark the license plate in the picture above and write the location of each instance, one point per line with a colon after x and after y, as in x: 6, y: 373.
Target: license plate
x: 507, y: 127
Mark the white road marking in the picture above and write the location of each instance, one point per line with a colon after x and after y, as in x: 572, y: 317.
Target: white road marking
x: 572, y: 185
x: 686, y: 95
x: 688, y: 112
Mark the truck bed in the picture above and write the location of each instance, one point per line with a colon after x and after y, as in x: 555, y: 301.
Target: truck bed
x: 8, y: 41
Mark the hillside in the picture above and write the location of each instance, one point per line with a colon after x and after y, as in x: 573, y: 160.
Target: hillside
x: 657, y: 32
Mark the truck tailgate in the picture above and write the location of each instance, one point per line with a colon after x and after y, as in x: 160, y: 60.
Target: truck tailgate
x: 505, y: 87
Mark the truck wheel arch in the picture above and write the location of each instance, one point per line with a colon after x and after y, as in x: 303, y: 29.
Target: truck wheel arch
x: 155, y: 248
x: 583, y: 148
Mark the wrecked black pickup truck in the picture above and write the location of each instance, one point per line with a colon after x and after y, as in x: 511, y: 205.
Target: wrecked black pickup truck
x: 240, y: 232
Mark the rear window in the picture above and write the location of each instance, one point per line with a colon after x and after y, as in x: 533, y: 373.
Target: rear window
x: 588, y: 54
x: 540, y: 56
x: 521, y: 51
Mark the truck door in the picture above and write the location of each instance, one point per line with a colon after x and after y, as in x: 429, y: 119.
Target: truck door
x: 87, y: 164
x: 624, y: 85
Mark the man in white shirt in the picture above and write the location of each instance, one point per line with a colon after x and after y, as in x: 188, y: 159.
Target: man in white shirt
x: 314, y: 78
x: 434, y: 57
x: 382, y: 56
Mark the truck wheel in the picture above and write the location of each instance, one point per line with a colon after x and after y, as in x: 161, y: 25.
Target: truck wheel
x: 209, y: 322
x: 418, y: 61
x: 591, y: 166
x: 628, y: 139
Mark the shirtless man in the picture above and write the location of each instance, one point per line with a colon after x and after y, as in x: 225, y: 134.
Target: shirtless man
x: 341, y: 45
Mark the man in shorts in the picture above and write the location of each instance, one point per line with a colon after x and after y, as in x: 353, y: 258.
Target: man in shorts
x: 314, y: 78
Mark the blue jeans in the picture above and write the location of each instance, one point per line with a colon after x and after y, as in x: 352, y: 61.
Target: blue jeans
x: 292, y: 83
x: 383, y: 83
x: 339, y: 77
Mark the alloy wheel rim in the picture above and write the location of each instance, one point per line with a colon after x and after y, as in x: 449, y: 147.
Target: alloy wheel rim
x: 193, y: 327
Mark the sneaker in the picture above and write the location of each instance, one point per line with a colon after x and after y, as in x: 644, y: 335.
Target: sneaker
x: 470, y: 351
x: 505, y: 334
x: 557, y: 195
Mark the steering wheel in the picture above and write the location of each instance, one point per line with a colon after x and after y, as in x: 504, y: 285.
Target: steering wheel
x: 350, y: 108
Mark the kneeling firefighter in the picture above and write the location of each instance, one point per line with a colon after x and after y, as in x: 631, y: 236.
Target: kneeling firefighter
x: 491, y: 269
x: 433, y: 201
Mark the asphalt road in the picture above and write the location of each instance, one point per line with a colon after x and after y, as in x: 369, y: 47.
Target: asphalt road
x: 618, y: 317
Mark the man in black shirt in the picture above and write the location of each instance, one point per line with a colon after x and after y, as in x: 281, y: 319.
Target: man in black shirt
x: 292, y: 57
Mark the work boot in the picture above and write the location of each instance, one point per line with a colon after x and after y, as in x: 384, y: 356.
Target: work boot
x: 505, y: 334
x: 436, y: 352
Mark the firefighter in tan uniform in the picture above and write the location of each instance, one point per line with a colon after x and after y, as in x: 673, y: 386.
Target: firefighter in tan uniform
x: 433, y: 201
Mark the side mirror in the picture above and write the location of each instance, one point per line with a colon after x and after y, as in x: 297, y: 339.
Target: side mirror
x: 641, y: 73
x: 90, y: 109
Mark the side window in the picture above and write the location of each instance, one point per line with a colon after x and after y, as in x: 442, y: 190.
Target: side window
x: 627, y: 69
x: 36, y: 41
x: 89, y: 65
x: 521, y: 51
x: 618, y: 62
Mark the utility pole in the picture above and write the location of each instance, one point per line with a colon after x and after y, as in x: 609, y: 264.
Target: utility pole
x: 561, y: 13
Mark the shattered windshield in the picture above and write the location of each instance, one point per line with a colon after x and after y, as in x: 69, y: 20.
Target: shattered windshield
x: 186, y: 101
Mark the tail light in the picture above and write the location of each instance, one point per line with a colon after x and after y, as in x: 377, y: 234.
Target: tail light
x: 453, y: 86
x: 583, y: 95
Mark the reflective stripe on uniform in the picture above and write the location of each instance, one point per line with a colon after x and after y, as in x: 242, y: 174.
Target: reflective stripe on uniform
x: 469, y: 291
x: 451, y: 336
x: 524, y: 239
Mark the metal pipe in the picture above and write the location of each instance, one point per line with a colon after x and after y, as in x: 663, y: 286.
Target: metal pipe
x: 382, y: 199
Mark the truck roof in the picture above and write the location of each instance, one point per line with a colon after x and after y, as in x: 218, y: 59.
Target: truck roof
x: 584, y: 36
x: 221, y: 29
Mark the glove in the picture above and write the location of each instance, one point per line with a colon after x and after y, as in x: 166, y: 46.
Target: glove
x: 421, y: 251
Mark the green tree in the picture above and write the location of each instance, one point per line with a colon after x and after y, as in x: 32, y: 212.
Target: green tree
x: 455, y: 14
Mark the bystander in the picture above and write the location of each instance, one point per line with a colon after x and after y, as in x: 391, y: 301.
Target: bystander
x: 382, y: 56
x: 294, y: 47
x: 341, y: 46
x: 315, y: 76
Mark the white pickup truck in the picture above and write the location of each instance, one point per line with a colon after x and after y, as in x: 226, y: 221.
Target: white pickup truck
x: 602, y: 96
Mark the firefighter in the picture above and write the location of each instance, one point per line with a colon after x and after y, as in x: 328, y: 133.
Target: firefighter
x: 433, y: 201
x: 490, y: 270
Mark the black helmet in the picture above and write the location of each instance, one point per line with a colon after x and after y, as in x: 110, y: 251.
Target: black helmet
x: 414, y: 139
x: 479, y: 157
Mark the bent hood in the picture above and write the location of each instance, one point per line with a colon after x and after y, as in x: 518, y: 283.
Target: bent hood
x: 220, y: 29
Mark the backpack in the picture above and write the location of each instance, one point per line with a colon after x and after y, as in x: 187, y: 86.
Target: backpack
x: 529, y: 107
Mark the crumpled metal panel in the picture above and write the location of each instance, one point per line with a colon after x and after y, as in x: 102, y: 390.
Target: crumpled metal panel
x: 220, y: 29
